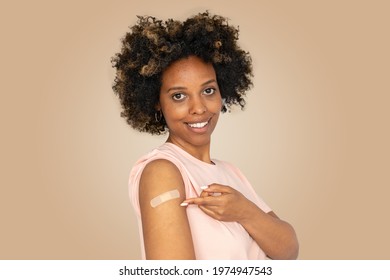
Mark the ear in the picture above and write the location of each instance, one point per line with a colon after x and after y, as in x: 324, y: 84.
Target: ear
x: 158, y: 107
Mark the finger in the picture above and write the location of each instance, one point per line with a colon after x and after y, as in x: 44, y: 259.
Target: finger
x: 216, y: 213
x: 194, y: 200
x: 217, y: 188
x: 207, y: 201
x: 205, y: 194
x: 188, y: 201
x: 208, y: 211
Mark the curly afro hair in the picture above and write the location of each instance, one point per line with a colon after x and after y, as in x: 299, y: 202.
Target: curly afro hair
x: 153, y: 45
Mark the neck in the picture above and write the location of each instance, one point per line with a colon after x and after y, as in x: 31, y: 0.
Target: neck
x: 201, y: 152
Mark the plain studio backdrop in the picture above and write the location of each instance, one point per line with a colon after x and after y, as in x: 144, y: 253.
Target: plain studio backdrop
x: 313, y: 139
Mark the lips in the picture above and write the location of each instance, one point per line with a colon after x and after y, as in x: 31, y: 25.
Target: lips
x: 199, y: 124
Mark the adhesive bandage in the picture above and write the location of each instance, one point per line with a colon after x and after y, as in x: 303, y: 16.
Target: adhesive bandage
x: 164, y: 197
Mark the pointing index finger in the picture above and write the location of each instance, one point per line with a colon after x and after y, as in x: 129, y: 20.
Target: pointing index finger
x: 207, y: 200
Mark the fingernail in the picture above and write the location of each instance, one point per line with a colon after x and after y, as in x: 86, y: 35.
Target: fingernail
x: 184, y: 204
x: 204, y: 187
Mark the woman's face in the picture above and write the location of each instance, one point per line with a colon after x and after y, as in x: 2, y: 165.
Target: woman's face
x: 190, y: 102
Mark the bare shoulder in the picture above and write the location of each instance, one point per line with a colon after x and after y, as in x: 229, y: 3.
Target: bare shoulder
x: 160, y: 175
x: 160, y: 166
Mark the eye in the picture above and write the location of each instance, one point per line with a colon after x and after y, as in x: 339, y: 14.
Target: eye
x: 209, y: 91
x: 178, y: 96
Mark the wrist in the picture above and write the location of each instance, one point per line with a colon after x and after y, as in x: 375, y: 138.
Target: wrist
x: 250, y: 212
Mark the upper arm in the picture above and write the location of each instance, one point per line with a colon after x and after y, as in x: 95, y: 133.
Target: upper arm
x: 166, y: 230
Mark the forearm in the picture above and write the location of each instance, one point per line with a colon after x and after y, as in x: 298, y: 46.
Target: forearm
x: 275, y: 237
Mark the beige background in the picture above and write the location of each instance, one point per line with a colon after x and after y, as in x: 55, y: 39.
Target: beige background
x: 314, y: 139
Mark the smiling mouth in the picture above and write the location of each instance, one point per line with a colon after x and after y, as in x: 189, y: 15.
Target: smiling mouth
x: 198, y: 125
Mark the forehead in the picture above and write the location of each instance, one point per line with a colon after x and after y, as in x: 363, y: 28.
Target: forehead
x: 186, y: 70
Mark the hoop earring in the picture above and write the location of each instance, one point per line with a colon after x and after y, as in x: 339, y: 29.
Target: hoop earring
x: 158, y: 116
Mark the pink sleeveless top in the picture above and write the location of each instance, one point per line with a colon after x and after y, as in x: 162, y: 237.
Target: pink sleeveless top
x: 212, y: 239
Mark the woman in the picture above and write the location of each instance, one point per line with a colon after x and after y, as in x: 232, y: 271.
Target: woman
x: 177, y: 77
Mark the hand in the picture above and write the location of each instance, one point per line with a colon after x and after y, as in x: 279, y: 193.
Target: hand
x: 275, y: 237
x: 222, y: 203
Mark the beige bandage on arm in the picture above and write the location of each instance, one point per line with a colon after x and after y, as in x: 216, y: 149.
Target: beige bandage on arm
x: 164, y: 197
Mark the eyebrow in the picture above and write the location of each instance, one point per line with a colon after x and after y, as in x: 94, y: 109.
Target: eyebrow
x: 182, y: 88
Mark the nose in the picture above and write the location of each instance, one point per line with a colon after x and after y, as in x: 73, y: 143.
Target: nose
x: 197, y: 106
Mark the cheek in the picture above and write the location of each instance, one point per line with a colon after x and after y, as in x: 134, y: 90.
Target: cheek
x: 215, y: 109
x: 216, y: 106
x: 173, y: 112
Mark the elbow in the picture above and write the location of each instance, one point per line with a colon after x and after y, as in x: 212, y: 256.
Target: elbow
x: 291, y: 250
x: 288, y: 248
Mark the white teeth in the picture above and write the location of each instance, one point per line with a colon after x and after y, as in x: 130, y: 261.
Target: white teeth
x: 198, y: 125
